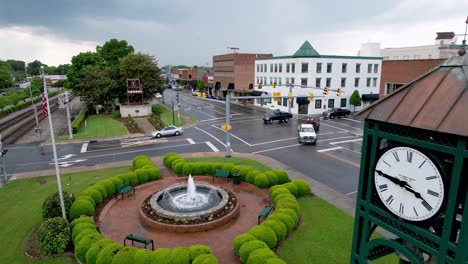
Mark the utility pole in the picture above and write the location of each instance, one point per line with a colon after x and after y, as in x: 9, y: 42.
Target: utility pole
x: 2, y: 165
x: 70, y: 131
x: 289, y: 103
x: 173, y: 117
x: 36, y: 129
x: 228, y: 122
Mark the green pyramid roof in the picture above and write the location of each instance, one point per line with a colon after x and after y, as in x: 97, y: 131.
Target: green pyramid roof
x: 306, y: 50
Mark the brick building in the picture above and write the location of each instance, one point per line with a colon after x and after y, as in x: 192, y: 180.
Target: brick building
x: 396, y: 73
x: 234, y: 73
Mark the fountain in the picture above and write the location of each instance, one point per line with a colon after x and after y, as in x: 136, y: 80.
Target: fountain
x: 189, y: 207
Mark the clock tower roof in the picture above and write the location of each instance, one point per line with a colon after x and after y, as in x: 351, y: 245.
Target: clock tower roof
x: 437, y: 100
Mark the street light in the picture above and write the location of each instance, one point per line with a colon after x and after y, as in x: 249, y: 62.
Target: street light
x: 37, y: 130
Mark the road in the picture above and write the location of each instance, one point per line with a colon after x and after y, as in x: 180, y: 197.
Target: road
x: 334, y: 160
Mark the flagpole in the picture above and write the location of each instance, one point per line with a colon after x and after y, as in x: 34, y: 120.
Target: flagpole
x: 52, y: 137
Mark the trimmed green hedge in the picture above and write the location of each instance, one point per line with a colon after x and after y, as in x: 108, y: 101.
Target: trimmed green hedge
x: 197, y: 250
x: 240, y: 240
x: 144, y: 256
x: 126, y: 255
x: 161, y: 255
x: 80, y: 227
x: 85, y: 219
x: 81, y: 207
x: 132, y: 178
x: 82, y: 247
x: 261, y: 180
x: 259, y: 256
x: 272, y: 178
x: 265, y: 234
x: 95, y: 249
x: 94, y: 193
x: 249, y: 247
x: 278, y: 227
x: 282, y: 176
x: 107, y: 254
x: 275, y: 261
x: 287, y: 220
x: 292, y: 188
x: 84, y: 233
x: 303, y: 187
x: 179, y: 255
x: 250, y: 177
x: 206, y: 259
x: 79, y: 120
x: 279, y: 191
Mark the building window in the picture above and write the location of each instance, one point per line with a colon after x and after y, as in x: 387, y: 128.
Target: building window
x: 304, y: 67
x: 356, y: 82
x: 264, y: 67
x: 276, y: 67
x: 331, y: 103
x: 343, y: 82
x: 287, y: 67
x: 369, y: 68
x: 264, y: 80
x: 343, y: 102
x: 271, y: 67
x: 393, y: 86
x: 258, y: 68
x: 258, y: 80
x: 275, y: 80
x: 285, y: 101
x: 271, y: 80
x: 358, y: 67
x: 318, y: 82
x: 368, y: 82
x: 328, y: 82
x: 287, y: 80
x: 279, y: 80
x: 303, y: 82
x: 329, y: 67
x: 281, y: 67
x: 374, y: 82
x: 292, y: 80
x: 293, y: 67
x: 344, y: 67
x: 376, y: 68
x: 318, y: 103
x: 319, y: 67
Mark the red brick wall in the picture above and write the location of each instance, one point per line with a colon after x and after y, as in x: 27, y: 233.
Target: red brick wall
x: 404, y: 71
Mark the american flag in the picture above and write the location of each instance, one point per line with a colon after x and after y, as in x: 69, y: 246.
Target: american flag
x: 45, y: 112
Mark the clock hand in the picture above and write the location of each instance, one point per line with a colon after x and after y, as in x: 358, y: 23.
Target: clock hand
x: 391, y: 178
x: 411, y: 190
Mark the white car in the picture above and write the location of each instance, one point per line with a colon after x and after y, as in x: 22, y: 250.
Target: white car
x: 158, y: 96
x: 168, y: 131
x: 307, y: 134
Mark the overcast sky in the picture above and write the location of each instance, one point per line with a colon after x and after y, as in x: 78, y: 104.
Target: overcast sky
x: 191, y: 32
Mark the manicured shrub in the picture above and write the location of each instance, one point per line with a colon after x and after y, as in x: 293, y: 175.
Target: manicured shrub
x: 107, y: 254
x: 282, y: 196
x: 288, y: 204
x: 250, y: 178
x: 81, y: 207
x: 275, y: 187
x: 169, y: 158
x: 206, y: 259
x: 53, y: 236
x: 110, y: 188
x: 244, y: 171
x: 274, y: 261
x: 227, y: 166
x: 294, y: 215
x: 206, y: 168
x: 102, y: 189
x: 265, y: 234
x: 179, y: 168
x: 303, y: 187
x: 95, y: 193
x: 272, y: 177
x: 86, y: 198
x: 143, y: 256
x: 123, y: 177
x: 249, y: 247
x: 279, y: 191
x: 154, y: 174
x: 179, y: 255
x: 287, y: 220
x: 218, y: 166
x: 196, y: 168
x: 161, y: 255
x: 282, y: 176
x: 83, y: 234
x: 187, y: 169
x: 95, y: 249
x: 85, y: 244
x: 259, y: 256
x: 132, y: 178
x: 236, y: 169
x: 177, y: 161
x: 80, y: 227
x: 291, y: 187
x: 278, y: 227
x: 84, y: 219
x: 51, y: 205
x: 240, y: 240
x: 142, y: 175
x: 116, y: 181
x: 126, y: 255
x: 197, y: 250
x: 261, y: 180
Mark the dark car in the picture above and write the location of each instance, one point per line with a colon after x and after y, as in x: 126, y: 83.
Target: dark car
x: 277, y: 115
x: 336, y: 112
x: 314, y: 122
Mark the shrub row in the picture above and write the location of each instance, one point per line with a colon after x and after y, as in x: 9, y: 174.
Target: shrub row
x: 17, y: 107
x: 79, y: 120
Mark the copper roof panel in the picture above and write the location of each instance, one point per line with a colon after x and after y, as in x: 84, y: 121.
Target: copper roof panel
x: 386, y: 107
x: 456, y: 122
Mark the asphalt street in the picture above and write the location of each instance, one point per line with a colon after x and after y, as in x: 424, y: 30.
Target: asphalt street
x: 334, y: 160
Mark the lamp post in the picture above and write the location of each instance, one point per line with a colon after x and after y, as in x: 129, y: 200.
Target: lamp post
x: 30, y: 95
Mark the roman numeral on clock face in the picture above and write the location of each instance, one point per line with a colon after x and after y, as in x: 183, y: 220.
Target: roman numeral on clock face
x: 383, y: 187
x: 395, y: 154
x: 402, y: 208
x: 428, y: 206
x: 409, y: 156
x: 390, y: 199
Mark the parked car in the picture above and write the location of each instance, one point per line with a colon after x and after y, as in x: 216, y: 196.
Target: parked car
x: 315, y: 122
x: 195, y: 93
x: 336, y: 112
x: 168, y: 131
x: 277, y: 115
x: 158, y: 95
x: 306, y: 134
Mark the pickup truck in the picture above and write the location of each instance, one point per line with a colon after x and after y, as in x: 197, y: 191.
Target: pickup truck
x: 277, y: 115
x: 307, y: 134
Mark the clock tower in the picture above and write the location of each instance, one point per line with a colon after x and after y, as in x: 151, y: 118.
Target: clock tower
x: 414, y: 171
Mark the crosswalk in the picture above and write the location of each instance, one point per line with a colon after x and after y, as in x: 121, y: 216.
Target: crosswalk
x: 140, y: 141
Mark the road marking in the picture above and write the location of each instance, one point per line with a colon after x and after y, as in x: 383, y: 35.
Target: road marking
x: 341, y: 159
x: 351, y: 193
x: 204, y: 113
x: 328, y: 139
x: 273, y: 141
x: 266, y: 150
x: 328, y: 149
x: 66, y: 157
x: 214, y: 119
x: 68, y: 163
x: 343, y: 124
x: 346, y: 141
x: 215, y: 138
x: 215, y: 149
x: 357, y: 121
x: 323, y: 124
x: 84, y: 148
x: 234, y: 136
x: 190, y: 141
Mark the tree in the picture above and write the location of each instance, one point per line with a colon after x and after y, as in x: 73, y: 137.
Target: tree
x: 96, y: 87
x: 34, y: 68
x: 114, y: 50
x: 79, y: 62
x: 143, y: 67
x: 6, y: 75
x: 36, y: 86
x: 16, y: 65
x: 355, y: 99
x: 62, y: 69
x: 200, y: 85
x: 50, y: 70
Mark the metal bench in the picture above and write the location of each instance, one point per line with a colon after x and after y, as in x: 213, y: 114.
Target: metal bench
x: 143, y: 240
x: 125, y: 188
x: 221, y: 174
x: 264, y: 213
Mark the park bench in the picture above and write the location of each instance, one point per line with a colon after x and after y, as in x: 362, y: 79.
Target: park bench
x: 125, y: 188
x: 221, y: 174
x: 264, y: 213
x: 142, y: 240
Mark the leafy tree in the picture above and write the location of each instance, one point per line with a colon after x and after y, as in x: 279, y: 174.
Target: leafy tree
x: 50, y: 70
x: 16, y: 65
x: 143, y: 67
x: 62, y: 69
x: 36, y: 86
x: 76, y: 70
x: 6, y: 75
x: 355, y: 99
x: 200, y: 85
x: 114, y: 50
x: 95, y: 86
x: 34, y: 68
x: 58, y: 84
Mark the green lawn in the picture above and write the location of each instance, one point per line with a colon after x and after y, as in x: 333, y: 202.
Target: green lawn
x: 166, y: 117
x: 324, y: 236
x: 99, y: 126
x: 21, y: 202
x: 238, y: 161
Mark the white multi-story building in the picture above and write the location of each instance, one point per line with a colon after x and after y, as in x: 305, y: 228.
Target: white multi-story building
x: 307, y: 71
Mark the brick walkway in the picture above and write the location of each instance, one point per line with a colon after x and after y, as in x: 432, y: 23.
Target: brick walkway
x: 145, y: 125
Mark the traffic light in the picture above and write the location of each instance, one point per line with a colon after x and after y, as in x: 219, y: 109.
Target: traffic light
x: 290, y: 99
x: 339, y: 92
x: 274, y: 84
x: 260, y: 85
x: 311, y: 96
x: 326, y: 91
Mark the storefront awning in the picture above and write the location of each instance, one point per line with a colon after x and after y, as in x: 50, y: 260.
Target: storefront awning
x: 370, y: 97
x: 257, y: 93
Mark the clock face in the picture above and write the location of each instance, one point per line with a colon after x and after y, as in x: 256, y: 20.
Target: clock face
x: 409, y: 184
